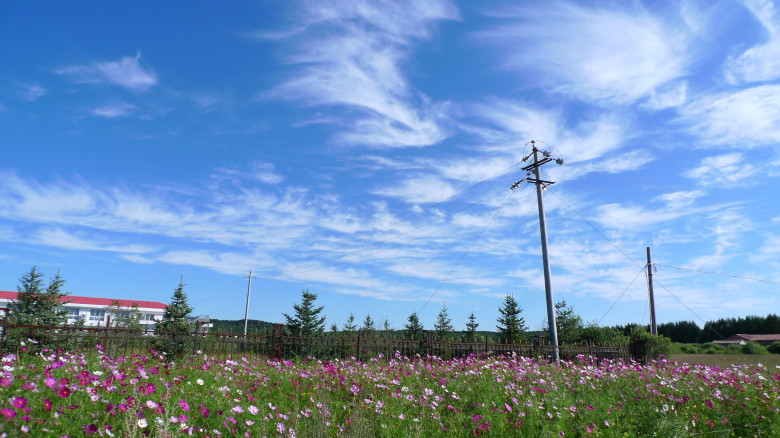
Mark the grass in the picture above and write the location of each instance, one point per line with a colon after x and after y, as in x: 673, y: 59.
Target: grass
x: 726, y: 360
x: 62, y: 393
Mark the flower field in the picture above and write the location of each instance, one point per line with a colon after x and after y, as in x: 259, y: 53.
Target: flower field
x: 66, y: 394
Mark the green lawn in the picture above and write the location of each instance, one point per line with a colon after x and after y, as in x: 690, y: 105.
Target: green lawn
x: 725, y: 360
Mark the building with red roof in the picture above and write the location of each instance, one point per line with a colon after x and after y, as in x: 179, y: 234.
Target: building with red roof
x: 94, y: 311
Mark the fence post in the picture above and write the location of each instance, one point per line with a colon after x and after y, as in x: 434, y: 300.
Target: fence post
x: 357, y: 353
x: 105, y: 333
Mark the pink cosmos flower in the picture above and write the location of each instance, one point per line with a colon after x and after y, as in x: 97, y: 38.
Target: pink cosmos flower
x: 64, y: 392
x: 184, y: 405
x: 90, y: 429
x: 8, y: 413
x: 20, y: 402
x: 47, y: 404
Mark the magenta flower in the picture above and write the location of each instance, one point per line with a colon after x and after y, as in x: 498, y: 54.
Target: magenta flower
x: 47, y: 404
x: 20, y: 402
x: 708, y: 403
x: 90, y: 429
x: 184, y: 405
x: 8, y: 413
x: 64, y: 392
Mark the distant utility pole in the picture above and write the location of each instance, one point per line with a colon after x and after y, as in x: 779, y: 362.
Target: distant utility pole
x: 653, y: 326
x: 248, y: 292
x: 540, y: 186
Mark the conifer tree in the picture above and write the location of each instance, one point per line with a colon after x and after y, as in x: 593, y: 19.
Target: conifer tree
x: 175, y: 317
x: 37, y: 306
x: 511, y: 327
x: 414, y: 329
x: 443, y: 326
x: 307, y: 320
x: 471, y: 328
x: 349, y: 326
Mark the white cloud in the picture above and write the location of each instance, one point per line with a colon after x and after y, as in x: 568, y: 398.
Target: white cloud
x: 668, y: 96
x: 113, y: 110
x: 749, y: 117
x: 422, y: 189
x: 33, y: 92
x: 351, y: 55
x: 680, y: 199
x: 619, y: 217
x: 127, y: 72
x: 761, y: 62
x: 597, y: 54
x: 722, y: 170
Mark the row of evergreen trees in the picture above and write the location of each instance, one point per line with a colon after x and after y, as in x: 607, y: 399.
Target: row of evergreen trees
x: 689, y: 332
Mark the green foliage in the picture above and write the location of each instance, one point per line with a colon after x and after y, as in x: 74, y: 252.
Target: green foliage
x: 413, y: 327
x: 35, y: 305
x: 774, y: 347
x: 471, y: 328
x: 680, y: 331
x: 349, y: 326
x: 307, y: 320
x: 602, y: 335
x: 725, y: 327
x: 655, y: 346
x: 569, y: 324
x: 754, y: 348
x: 369, y: 327
x: 174, y: 333
x: 123, y: 318
x: 511, y: 327
x: 443, y: 326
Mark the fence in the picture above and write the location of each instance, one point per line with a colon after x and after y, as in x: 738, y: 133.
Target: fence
x: 116, y: 342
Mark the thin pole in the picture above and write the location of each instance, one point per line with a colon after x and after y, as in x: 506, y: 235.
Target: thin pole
x: 653, y: 326
x: 552, y: 326
x: 246, y: 310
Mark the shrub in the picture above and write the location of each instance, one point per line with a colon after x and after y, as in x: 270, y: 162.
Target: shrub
x: 774, y: 347
x: 754, y: 348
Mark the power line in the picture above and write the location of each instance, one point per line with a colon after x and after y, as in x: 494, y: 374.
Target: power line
x: 596, y: 230
x: 642, y: 270
x: 720, y: 285
x: 686, y: 306
x: 374, y: 244
x: 716, y: 273
x: 468, y: 250
x: 406, y: 242
x: 431, y: 207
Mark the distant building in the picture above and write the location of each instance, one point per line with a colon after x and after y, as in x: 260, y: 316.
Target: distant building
x: 742, y: 339
x: 94, y: 311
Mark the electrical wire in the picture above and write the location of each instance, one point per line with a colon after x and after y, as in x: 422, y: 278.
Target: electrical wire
x: 411, y: 240
x: 620, y: 296
x: 718, y: 285
x: 218, y: 293
x: 686, y: 306
x: 468, y: 250
x: 306, y: 267
x: 595, y: 229
x: 716, y: 273
x: 433, y: 206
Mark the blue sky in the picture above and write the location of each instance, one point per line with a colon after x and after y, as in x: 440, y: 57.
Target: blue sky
x: 364, y: 150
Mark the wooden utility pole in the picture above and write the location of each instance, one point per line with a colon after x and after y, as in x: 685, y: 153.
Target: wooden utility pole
x: 653, y: 326
x: 541, y: 185
x: 248, y: 292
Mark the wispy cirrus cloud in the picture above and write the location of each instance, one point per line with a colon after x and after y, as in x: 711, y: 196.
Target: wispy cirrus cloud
x: 33, y: 92
x: 599, y: 54
x: 113, y: 110
x: 127, y: 72
x: 749, y: 117
x: 761, y: 62
x: 351, y: 55
x: 722, y: 170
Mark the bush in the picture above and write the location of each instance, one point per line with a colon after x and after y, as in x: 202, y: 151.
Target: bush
x: 655, y: 346
x: 774, y: 347
x: 754, y: 348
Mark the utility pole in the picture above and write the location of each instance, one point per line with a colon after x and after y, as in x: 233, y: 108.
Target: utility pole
x: 248, y: 292
x: 540, y: 186
x: 653, y: 326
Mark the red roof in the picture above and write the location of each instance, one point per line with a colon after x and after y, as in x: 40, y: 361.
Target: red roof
x: 95, y: 301
x: 755, y: 338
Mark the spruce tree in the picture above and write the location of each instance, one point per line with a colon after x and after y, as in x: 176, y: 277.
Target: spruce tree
x: 173, y: 333
x: 471, y: 328
x: 414, y: 329
x: 511, y: 327
x: 443, y: 326
x: 37, y: 306
x: 568, y: 324
x: 349, y: 326
x: 175, y: 317
x: 307, y: 320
